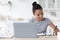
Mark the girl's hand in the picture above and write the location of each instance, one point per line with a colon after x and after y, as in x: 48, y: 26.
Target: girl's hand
x: 56, y: 30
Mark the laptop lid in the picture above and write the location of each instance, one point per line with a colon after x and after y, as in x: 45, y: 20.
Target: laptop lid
x: 25, y: 30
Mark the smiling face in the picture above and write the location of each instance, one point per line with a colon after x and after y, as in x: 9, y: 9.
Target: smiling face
x: 38, y: 14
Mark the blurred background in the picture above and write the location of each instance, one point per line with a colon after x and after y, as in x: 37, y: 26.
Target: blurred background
x: 21, y: 11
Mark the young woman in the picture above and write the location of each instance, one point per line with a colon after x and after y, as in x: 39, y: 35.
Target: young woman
x: 40, y: 21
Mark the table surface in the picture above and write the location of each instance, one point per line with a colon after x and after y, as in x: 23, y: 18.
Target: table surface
x: 40, y: 38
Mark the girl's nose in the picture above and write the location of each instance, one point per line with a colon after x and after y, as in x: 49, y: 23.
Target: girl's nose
x: 40, y: 15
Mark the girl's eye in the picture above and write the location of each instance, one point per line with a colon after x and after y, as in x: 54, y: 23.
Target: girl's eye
x: 38, y: 14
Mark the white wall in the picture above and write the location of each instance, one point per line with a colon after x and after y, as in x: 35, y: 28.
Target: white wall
x: 19, y: 8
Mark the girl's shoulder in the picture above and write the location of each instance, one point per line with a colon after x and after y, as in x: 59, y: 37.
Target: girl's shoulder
x: 46, y: 19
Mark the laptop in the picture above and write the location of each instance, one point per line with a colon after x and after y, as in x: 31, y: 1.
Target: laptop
x: 25, y: 30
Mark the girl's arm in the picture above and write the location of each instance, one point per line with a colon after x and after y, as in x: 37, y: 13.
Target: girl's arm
x: 54, y: 28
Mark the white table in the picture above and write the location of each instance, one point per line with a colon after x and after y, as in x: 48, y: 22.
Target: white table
x: 40, y: 38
